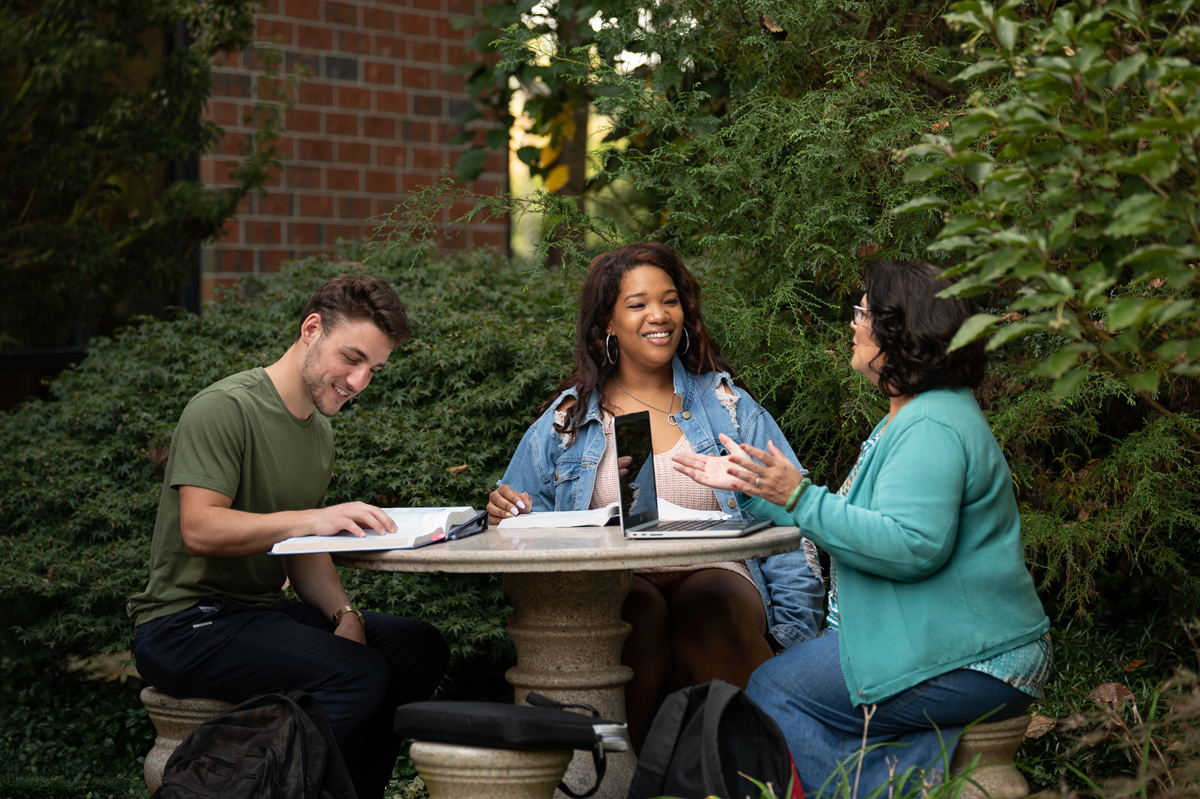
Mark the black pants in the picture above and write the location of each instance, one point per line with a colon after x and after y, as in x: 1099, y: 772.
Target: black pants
x: 219, y: 649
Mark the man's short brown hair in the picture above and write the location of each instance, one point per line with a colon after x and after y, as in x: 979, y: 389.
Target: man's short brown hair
x: 358, y: 296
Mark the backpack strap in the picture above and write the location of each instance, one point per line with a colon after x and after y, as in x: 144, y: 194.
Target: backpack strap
x: 599, y: 762
x: 655, y: 758
x: 720, y: 694
x: 538, y: 700
x: 337, y: 776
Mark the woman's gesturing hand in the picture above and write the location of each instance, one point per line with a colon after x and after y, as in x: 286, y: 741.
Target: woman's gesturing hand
x: 504, y: 502
x: 757, y: 473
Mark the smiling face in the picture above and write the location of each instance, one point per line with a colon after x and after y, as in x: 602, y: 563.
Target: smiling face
x: 647, y: 319
x: 341, y: 362
x: 865, y: 348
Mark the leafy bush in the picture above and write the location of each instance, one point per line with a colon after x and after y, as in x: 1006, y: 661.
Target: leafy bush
x: 54, y: 724
x: 1081, y: 208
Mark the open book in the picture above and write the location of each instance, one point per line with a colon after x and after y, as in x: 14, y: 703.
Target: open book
x: 416, y: 527
x: 598, y: 517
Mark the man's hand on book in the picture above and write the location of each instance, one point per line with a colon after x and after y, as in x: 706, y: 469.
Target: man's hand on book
x: 351, y: 516
x: 505, y: 502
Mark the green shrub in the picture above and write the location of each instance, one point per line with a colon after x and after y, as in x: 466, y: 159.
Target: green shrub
x: 63, y: 735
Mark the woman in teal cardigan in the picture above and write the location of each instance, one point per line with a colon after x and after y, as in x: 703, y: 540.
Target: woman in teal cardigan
x: 933, y: 617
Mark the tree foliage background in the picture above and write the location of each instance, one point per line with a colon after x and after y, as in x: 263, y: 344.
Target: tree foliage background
x: 100, y: 106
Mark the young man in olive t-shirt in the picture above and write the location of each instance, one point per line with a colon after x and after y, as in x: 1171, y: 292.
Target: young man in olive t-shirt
x: 249, y: 463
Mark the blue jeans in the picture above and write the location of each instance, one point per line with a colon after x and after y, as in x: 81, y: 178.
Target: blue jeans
x: 804, y: 691
x: 220, y: 649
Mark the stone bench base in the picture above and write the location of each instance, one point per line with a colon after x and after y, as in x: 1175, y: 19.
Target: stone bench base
x: 174, y: 719
x: 450, y: 771
x: 996, y: 745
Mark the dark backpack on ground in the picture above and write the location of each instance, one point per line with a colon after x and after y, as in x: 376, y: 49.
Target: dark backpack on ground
x: 704, y: 739
x: 273, y: 745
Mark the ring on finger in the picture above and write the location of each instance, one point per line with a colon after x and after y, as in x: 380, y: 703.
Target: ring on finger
x: 757, y: 477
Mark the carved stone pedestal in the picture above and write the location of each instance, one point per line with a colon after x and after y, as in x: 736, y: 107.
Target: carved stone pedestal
x: 996, y: 745
x: 450, y: 771
x: 568, y: 634
x: 173, y: 719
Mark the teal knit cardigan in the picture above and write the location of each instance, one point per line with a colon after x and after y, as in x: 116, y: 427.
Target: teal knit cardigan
x: 931, y: 572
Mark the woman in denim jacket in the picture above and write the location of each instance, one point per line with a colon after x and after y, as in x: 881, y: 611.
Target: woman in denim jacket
x: 641, y: 345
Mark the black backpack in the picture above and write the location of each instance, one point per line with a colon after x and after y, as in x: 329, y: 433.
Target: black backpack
x: 273, y: 745
x: 704, y: 739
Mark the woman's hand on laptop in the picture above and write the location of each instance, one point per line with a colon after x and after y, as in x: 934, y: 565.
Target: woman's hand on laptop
x: 506, y: 502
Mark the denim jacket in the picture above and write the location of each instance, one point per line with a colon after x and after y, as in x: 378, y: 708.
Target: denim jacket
x: 559, y: 475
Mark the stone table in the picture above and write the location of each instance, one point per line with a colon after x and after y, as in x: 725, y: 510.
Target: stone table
x: 567, y: 586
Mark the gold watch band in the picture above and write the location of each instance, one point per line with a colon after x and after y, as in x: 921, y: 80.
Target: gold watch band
x: 342, y: 611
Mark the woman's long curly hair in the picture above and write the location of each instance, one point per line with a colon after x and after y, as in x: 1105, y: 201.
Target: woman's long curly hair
x: 600, y: 294
x: 912, y: 327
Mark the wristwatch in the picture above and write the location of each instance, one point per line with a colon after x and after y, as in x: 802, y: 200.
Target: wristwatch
x: 342, y: 611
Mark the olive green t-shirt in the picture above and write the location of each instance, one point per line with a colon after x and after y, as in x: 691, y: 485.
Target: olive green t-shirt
x: 236, y: 437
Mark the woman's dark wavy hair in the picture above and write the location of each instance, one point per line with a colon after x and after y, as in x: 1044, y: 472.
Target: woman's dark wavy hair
x: 912, y: 327
x: 596, y: 303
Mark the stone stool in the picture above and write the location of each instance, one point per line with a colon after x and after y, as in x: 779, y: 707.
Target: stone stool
x: 996, y: 744
x: 450, y: 771
x: 173, y: 719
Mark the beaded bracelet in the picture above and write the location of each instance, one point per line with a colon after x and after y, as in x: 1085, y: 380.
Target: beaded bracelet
x: 795, y: 497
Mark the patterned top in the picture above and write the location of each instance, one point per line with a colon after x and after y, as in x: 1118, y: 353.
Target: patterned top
x: 1025, y: 668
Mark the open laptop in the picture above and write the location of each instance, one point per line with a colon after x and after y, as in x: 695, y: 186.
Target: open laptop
x: 639, y: 491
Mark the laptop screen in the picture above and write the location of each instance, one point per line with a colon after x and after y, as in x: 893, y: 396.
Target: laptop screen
x: 639, y: 495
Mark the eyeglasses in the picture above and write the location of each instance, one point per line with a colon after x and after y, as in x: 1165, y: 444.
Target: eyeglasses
x: 860, y: 313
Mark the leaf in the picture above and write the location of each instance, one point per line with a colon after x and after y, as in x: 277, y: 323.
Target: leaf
x: 1173, y: 309
x: 981, y: 68
x: 919, y: 173
x: 1039, y: 726
x: 529, y: 155
x: 456, y: 469
x: 1066, y: 385
x: 1137, y: 215
x: 1006, y: 32
x: 1129, y: 312
x: 975, y: 327
x: 951, y: 243
x: 497, y: 138
x: 558, y: 178
x: 1146, y: 382
x: 919, y: 204
x: 1124, y: 69
x: 970, y: 157
x: 1148, y: 252
x: 1057, y: 364
x: 1007, y: 334
x: 470, y: 164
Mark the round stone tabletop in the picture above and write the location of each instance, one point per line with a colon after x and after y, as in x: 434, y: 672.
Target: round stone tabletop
x: 569, y: 549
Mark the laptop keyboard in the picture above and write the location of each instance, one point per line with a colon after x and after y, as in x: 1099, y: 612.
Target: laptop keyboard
x: 685, y: 525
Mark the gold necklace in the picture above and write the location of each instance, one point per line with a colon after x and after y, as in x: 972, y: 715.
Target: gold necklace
x: 671, y: 420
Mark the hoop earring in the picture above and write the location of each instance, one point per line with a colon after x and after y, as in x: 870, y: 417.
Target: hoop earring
x: 608, y: 352
x: 688, y: 344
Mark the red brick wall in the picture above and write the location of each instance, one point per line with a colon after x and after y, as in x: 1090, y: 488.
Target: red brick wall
x: 372, y: 122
